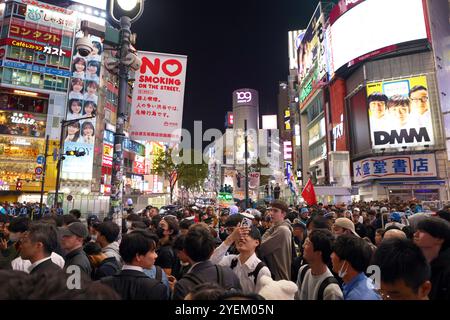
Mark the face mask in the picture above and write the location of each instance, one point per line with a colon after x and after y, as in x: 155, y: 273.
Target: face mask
x: 341, y: 272
x: 160, y: 232
x: 128, y: 225
x: 93, y: 237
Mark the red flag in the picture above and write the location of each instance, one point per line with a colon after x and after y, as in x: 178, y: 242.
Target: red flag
x: 309, y: 194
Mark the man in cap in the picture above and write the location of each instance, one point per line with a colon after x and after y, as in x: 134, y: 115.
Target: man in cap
x: 276, y: 245
x: 304, y: 215
x: 73, y: 237
x: 344, y: 226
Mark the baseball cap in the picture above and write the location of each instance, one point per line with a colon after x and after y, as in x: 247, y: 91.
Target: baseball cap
x: 395, y: 216
x: 346, y: 224
x: 92, y: 219
x: 75, y: 229
x: 247, y: 214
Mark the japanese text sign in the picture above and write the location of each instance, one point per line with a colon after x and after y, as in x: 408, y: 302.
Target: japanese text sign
x: 157, y: 106
x: 35, y: 34
x: 408, y: 166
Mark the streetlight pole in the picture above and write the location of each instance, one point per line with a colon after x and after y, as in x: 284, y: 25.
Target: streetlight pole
x: 246, y: 163
x: 116, y: 201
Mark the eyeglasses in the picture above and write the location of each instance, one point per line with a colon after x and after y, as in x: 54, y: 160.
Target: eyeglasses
x: 423, y: 99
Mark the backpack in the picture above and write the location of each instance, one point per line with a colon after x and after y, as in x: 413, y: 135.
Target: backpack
x: 254, y: 273
x: 325, y: 283
x: 158, y: 275
x: 196, y: 279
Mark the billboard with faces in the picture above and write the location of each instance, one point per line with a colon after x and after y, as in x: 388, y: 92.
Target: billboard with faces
x: 400, y: 113
x: 83, y: 98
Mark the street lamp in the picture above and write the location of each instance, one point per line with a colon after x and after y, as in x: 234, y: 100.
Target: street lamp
x: 123, y: 12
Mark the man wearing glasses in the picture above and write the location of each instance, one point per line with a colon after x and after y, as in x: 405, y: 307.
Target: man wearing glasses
x: 276, y: 245
x: 420, y: 106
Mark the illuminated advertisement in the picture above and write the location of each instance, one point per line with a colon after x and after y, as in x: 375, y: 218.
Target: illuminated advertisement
x: 294, y: 40
x: 382, y: 24
x: 108, y: 149
x: 35, y: 68
x: 56, y: 51
x: 252, y: 145
x: 408, y: 166
x: 139, y: 164
x: 78, y: 168
x: 311, y: 52
x: 50, y: 18
x: 35, y: 33
x: 269, y: 122
x: 22, y: 124
x: 399, y: 113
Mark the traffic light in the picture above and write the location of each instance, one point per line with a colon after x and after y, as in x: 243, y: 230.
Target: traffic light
x: 18, y: 185
x: 75, y: 153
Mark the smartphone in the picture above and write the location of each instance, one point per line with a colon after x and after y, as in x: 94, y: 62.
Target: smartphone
x: 246, y: 222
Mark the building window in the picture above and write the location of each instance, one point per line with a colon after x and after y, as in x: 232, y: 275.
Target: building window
x: 7, y: 75
x: 66, y: 41
x: 65, y: 62
x: 20, y: 10
x: 36, y: 79
x: 5, y: 30
x: 13, y: 52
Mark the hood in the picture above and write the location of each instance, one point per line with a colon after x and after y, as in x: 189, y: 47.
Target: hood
x: 114, y: 246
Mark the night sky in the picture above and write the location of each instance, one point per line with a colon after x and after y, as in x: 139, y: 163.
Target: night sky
x: 230, y: 45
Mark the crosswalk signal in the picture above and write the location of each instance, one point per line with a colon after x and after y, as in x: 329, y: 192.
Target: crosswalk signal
x: 18, y: 185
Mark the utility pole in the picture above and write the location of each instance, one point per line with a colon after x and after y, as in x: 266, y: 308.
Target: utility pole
x: 116, y: 202
x: 246, y: 163
x: 44, y: 172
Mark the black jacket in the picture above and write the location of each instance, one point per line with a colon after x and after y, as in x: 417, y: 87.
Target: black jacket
x: 79, y: 258
x: 107, y: 267
x: 440, y: 276
x: 207, y: 272
x: 46, y: 267
x: 136, y: 285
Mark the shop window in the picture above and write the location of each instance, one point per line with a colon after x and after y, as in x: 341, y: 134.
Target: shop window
x: 13, y: 52
x: 65, y: 62
x: 35, y: 79
x: 8, y: 9
x: 7, y: 75
x: 49, y: 82
x: 61, y: 84
x: 66, y: 41
x: 27, y: 55
x: 5, y: 30
x: 20, y: 10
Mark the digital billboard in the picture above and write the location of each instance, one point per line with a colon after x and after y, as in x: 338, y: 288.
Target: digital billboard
x: 400, y: 113
x: 373, y: 27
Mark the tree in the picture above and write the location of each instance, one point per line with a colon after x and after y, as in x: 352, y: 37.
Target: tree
x: 190, y: 175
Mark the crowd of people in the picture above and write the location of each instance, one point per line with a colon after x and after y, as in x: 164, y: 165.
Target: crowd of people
x: 363, y: 251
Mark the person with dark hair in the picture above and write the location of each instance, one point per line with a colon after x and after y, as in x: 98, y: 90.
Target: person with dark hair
x: 276, y: 246
x: 79, y: 67
x: 444, y: 214
x: 68, y: 219
x: 167, y: 231
x: 76, y: 92
x: 92, y: 71
x: 107, y: 236
x: 87, y: 132
x: 246, y: 265
x: 73, y: 132
x: 405, y: 273
x: 350, y: 258
x: 379, y: 233
x: 37, y: 245
x: 75, y: 109
x: 318, y: 222
x: 10, y: 242
x: 76, y: 213
x: 183, y: 260
x: 91, y: 99
x: 315, y: 281
x: 102, y: 266
x: 420, y: 105
x: 205, y: 291
x: 433, y: 238
x: 377, y: 108
x: 185, y: 224
x: 199, y: 246
x: 73, y: 237
x: 399, y: 108
x: 138, y: 252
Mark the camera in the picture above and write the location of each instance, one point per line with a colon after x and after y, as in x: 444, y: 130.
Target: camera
x: 84, y: 46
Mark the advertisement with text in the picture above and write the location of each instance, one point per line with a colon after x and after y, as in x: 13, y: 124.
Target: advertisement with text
x: 400, y: 113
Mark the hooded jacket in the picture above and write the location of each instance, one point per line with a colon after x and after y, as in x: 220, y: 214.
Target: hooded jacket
x: 276, y: 250
x: 112, y: 250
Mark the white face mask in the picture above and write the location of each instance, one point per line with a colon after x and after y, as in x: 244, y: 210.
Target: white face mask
x: 94, y: 237
x: 128, y: 225
x: 342, y: 272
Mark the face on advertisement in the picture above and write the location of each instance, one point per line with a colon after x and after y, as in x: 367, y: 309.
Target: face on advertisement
x: 87, y: 129
x: 92, y: 68
x: 75, y: 107
x: 377, y: 105
x: 77, y: 85
x: 89, y: 108
x: 399, y: 108
x: 92, y: 88
x: 419, y: 100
